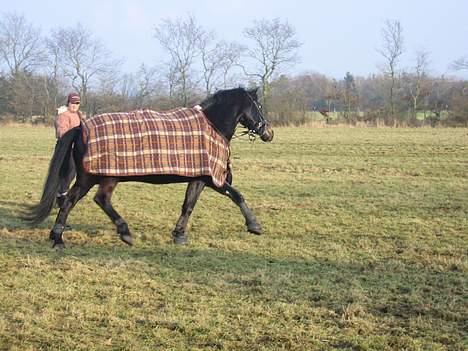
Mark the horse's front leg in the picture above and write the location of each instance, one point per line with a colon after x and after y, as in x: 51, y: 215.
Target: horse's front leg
x: 250, y: 221
x: 194, y: 189
x: 103, y: 199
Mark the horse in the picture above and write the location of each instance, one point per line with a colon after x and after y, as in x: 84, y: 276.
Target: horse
x: 224, y: 110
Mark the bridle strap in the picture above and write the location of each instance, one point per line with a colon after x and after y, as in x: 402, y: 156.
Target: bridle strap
x: 260, y: 124
x: 250, y: 133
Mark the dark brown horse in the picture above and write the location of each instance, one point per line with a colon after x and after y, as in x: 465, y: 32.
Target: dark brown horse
x: 225, y: 109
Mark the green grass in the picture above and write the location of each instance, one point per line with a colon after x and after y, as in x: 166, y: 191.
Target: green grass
x: 365, y: 248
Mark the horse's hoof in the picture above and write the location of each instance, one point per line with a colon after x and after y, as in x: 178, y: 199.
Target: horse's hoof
x: 127, y: 239
x: 179, y: 239
x: 255, y: 228
x: 59, y: 246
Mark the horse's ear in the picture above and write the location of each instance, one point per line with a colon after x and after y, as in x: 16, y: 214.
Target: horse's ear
x: 253, y: 93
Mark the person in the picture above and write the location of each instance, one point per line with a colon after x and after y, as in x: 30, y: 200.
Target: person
x: 67, y: 118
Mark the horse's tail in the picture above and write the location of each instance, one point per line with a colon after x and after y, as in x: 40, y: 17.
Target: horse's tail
x: 63, y: 151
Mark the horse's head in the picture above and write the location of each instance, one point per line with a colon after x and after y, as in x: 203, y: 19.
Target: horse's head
x: 226, y: 108
x: 252, y: 117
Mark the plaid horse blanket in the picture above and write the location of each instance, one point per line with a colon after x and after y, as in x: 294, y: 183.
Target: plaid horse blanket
x: 144, y: 142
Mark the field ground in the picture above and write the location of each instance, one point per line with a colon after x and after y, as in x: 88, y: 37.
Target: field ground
x: 365, y: 248
x: 312, y: 116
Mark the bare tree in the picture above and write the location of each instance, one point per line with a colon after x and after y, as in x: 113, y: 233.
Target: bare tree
x: 285, y: 101
x: 126, y: 89
x: 439, y: 98
x: 460, y: 64
x: 82, y: 58
x: 171, y: 75
x: 230, y: 57
x: 415, y: 82
x: 332, y: 95
x: 391, y: 50
x: 146, y: 85
x: 349, y: 94
x: 22, y: 52
x: 53, y: 73
x: 274, y: 47
x: 217, y: 59
x: 180, y: 38
x: 20, y: 44
x: 210, y: 59
x: 109, y: 81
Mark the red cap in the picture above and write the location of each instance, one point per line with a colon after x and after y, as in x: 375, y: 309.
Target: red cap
x: 73, y: 97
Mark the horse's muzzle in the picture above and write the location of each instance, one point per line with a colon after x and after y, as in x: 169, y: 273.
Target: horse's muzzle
x: 267, y: 134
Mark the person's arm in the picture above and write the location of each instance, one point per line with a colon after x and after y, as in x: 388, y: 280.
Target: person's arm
x: 62, y: 125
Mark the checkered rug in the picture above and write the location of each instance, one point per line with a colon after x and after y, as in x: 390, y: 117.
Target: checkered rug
x: 144, y: 142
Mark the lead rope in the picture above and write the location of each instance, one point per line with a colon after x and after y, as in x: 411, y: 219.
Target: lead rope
x: 251, y: 134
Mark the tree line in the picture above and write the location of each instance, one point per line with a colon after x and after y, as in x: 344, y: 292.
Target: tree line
x: 37, y: 71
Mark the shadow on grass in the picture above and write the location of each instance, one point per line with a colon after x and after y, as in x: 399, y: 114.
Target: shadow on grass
x: 10, y: 218
x: 381, y: 288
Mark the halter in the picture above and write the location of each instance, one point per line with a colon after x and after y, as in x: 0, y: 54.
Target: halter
x: 253, y: 133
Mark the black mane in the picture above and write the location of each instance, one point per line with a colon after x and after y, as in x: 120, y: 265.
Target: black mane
x: 222, y: 96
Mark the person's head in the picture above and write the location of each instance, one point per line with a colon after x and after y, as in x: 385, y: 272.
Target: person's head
x: 73, y: 102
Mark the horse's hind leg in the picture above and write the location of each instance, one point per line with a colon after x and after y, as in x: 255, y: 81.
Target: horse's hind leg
x: 103, y: 199
x: 192, y: 194
x: 78, y: 190
x: 251, y: 222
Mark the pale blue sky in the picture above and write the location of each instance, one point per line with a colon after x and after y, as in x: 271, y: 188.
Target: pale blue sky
x: 337, y: 35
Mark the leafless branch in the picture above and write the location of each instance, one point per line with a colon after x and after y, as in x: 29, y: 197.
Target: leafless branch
x: 20, y: 44
x: 460, y: 64
x: 180, y: 38
x: 274, y: 47
x: 391, y: 50
x: 83, y: 59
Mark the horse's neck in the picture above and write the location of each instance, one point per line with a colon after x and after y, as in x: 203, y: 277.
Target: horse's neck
x: 224, y: 121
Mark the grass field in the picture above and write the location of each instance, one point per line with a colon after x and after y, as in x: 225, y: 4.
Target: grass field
x: 365, y: 248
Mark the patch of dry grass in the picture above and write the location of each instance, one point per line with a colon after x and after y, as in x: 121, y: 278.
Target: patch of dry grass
x: 365, y: 249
